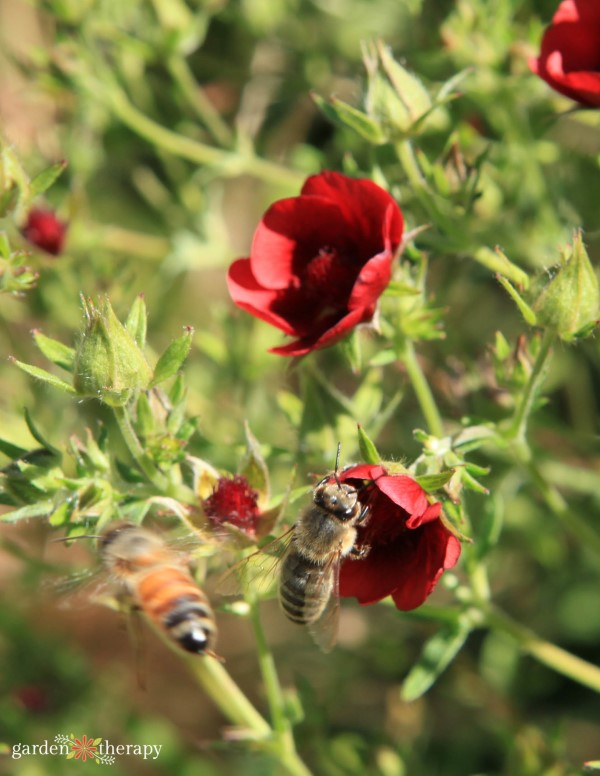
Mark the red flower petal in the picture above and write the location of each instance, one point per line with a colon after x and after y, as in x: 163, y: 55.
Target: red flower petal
x: 291, y: 233
x: 250, y: 296
x: 404, y: 491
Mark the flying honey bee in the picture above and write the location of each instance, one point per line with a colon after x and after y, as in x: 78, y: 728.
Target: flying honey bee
x: 311, y: 554
x: 151, y: 577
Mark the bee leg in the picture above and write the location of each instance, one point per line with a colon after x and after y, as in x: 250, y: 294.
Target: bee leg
x: 356, y: 553
x: 218, y: 658
x: 364, y: 515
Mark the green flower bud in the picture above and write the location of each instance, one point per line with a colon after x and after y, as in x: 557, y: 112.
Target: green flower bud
x: 108, y: 363
x: 396, y: 99
x: 569, y: 302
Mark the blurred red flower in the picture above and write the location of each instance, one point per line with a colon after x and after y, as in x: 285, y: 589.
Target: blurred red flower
x: 45, y: 230
x: 320, y: 261
x: 409, y: 546
x: 233, y: 501
x: 570, y: 57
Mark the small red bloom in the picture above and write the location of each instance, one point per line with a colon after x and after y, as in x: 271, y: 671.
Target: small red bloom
x: 320, y: 261
x: 409, y: 545
x: 45, y: 230
x: 233, y: 501
x: 570, y: 57
x: 83, y: 748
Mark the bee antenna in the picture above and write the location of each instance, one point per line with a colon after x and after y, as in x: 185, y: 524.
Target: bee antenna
x: 72, y: 538
x: 337, y: 465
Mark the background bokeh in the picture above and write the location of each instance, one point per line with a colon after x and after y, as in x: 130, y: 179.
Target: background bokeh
x: 145, y: 219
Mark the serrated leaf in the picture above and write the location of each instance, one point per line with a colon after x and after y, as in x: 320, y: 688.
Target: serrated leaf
x: 40, y: 509
x: 433, y: 482
x: 46, y: 377
x: 367, y: 448
x: 437, y: 654
x: 57, y: 352
x: 171, y: 360
x: 345, y: 115
x: 137, y: 321
x: 46, y: 178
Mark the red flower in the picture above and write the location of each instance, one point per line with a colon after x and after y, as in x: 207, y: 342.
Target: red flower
x: 319, y: 262
x: 570, y: 57
x: 409, y: 545
x: 45, y: 230
x: 233, y: 501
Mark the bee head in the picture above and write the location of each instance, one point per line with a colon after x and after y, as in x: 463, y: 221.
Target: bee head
x: 336, y: 498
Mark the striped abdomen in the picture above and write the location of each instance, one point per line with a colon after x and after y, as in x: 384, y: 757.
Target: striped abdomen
x: 304, y: 588
x: 172, y: 600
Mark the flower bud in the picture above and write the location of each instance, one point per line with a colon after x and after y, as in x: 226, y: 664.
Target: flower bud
x: 108, y: 363
x: 568, y: 303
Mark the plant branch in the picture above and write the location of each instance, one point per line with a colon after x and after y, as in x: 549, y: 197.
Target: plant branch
x: 421, y: 388
x: 550, y: 655
x: 518, y: 429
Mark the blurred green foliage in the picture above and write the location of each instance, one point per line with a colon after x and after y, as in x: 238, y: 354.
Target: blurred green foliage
x: 117, y: 90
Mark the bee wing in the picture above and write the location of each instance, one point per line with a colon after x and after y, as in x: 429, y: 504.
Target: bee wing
x: 324, y: 631
x: 257, y: 570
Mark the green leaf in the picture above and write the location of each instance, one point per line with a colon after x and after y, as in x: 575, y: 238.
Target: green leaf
x: 55, y: 351
x: 46, y: 377
x: 345, y: 115
x: 4, y: 246
x: 11, y: 451
x: 254, y: 467
x: 524, y: 308
x: 42, y: 508
x: 398, y: 288
x: 432, y: 482
x: 145, y: 421
x: 171, y: 360
x: 437, y: 654
x: 46, y: 178
x: 33, y: 430
x: 136, y: 322
x: 367, y: 447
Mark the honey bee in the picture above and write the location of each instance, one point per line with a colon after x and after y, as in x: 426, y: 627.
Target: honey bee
x: 324, y: 534
x: 309, y: 558
x: 152, y: 578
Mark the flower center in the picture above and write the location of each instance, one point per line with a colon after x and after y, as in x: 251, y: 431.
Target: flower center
x: 329, y: 277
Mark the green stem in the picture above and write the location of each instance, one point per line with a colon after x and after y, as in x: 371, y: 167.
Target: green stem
x: 227, y: 696
x: 550, y: 655
x: 194, y: 94
x: 421, y: 388
x: 281, y: 724
x: 230, y: 162
x: 518, y: 427
x: 139, y: 455
x: 559, y: 507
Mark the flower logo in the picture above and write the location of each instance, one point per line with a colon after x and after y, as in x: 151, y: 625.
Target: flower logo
x: 84, y: 748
